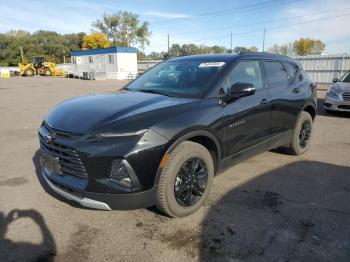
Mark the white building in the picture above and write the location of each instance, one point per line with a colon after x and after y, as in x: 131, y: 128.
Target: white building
x: 105, y: 63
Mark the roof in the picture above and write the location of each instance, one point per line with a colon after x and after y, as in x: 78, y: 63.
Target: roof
x: 229, y: 57
x: 100, y: 51
x: 206, y: 57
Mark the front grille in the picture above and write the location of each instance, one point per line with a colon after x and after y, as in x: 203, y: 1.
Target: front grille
x: 346, y: 96
x: 69, y: 159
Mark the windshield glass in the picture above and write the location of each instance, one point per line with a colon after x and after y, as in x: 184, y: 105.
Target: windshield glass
x: 179, y: 78
x: 346, y: 78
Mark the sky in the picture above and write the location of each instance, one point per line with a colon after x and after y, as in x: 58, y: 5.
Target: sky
x: 201, y: 22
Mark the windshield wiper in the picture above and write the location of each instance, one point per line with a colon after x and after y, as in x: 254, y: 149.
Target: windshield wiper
x: 153, y: 91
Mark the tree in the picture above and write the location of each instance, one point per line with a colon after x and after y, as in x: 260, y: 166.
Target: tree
x: 305, y: 46
x: 284, y: 49
x: 94, y: 41
x: 253, y: 49
x: 47, y: 44
x: 318, y: 47
x: 240, y: 49
x: 124, y: 29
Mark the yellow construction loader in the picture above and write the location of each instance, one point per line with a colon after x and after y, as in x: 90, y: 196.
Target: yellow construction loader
x: 39, y: 67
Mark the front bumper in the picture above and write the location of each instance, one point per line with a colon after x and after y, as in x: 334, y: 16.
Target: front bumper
x: 79, y: 169
x: 334, y: 104
x: 104, y: 201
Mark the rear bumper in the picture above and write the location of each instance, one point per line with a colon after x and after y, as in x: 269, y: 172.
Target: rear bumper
x: 105, y: 201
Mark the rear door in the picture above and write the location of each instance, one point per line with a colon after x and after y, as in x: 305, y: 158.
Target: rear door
x: 248, y: 118
x: 286, y: 94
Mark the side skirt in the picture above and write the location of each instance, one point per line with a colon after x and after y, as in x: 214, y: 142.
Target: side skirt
x: 273, y: 142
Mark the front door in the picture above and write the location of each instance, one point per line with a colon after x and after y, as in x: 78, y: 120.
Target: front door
x: 247, y: 120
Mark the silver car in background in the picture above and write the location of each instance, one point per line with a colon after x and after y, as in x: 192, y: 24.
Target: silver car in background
x: 338, y: 96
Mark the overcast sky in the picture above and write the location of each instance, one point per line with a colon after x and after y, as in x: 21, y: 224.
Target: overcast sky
x: 202, y: 22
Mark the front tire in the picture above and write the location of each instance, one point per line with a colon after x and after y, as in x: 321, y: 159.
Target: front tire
x: 28, y: 72
x: 47, y: 72
x: 185, y: 180
x: 301, y: 135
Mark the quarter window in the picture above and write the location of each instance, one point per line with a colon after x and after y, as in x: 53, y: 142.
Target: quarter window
x: 292, y: 69
x: 246, y: 72
x: 275, y: 72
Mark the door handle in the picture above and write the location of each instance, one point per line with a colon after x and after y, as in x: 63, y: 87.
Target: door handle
x: 264, y: 101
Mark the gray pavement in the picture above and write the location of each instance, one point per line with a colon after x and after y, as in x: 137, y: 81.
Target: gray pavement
x: 273, y: 207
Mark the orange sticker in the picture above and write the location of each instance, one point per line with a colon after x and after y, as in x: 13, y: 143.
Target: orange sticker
x: 164, y: 161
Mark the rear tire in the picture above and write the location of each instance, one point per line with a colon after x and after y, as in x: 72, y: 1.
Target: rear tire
x: 28, y: 72
x: 301, y: 135
x: 47, y: 72
x: 188, y: 171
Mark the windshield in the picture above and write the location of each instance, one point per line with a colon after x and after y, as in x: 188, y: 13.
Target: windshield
x: 346, y: 78
x: 179, y: 78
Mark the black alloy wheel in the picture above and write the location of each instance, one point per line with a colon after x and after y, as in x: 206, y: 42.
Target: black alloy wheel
x: 190, y: 182
x: 305, y: 134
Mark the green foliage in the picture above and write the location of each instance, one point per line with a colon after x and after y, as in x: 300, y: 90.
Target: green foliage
x: 239, y: 49
x: 186, y: 49
x: 124, y: 29
x: 51, y: 45
x: 284, y: 49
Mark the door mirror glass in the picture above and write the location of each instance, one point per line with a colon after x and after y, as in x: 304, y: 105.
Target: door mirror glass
x: 335, y: 79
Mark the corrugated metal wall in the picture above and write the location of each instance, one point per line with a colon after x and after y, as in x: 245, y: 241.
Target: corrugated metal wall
x: 323, y: 68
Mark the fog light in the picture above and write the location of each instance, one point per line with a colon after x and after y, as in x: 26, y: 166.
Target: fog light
x: 119, y: 174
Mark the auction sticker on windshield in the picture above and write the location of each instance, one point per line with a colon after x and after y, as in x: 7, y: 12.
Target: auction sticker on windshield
x: 212, y: 64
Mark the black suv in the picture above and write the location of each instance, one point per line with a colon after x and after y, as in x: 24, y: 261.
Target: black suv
x: 162, y: 138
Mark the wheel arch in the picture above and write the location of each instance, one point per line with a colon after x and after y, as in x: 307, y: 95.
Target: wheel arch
x: 311, y: 109
x: 203, y: 137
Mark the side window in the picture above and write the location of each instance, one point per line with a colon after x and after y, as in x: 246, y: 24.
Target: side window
x: 246, y: 72
x: 275, y: 72
x: 292, y: 69
x: 111, y: 59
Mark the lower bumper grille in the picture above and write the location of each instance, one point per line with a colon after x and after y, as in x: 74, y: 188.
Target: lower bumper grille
x: 344, y: 107
x: 69, y: 159
x: 346, y: 96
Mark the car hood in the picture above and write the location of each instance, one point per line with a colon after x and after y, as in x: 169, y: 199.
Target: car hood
x: 343, y: 85
x: 115, y: 112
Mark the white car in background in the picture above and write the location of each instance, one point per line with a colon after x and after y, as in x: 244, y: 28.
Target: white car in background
x: 338, y: 96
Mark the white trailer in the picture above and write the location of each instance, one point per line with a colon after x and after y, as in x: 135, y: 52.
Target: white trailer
x: 104, y: 63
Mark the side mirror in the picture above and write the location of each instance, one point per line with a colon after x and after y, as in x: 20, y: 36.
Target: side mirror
x: 335, y: 79
x: 239, y: 90
x: 236, y: 91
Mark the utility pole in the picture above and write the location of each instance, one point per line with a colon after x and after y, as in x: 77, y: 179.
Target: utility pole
x: 231, y: 44
x: 168, y: 44
x: 264, y: 40
x: 20, y: 47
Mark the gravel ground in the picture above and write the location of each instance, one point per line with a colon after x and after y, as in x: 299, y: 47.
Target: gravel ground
x: 273, y: 207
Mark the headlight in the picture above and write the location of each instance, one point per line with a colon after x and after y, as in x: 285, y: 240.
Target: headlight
x: 123, y: 134
x: 335, y: 92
